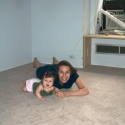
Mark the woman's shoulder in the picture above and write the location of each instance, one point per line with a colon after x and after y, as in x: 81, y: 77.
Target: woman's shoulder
x: 75, y: 74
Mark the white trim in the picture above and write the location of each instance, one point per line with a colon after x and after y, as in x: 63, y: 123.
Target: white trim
x: 14, y: 67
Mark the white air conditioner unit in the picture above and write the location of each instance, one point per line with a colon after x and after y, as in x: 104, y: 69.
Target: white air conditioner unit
x: 110, y: 24
x: 115, y: 21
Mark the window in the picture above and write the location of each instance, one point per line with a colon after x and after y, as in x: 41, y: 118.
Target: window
x: 113, y: 6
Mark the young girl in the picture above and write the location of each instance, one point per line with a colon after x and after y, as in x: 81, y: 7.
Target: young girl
x: 42, y: 87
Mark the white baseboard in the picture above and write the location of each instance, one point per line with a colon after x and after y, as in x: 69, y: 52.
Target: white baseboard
x: 14, y: 67
x: 118, y: 66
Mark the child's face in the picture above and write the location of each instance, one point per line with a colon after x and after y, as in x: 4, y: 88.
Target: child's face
x: 48, y: 82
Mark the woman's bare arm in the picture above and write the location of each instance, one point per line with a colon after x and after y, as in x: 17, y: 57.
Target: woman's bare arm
x: 82, y: 90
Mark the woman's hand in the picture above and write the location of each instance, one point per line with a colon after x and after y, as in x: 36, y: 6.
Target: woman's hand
x: 60, y: 94
x: 82, y: 90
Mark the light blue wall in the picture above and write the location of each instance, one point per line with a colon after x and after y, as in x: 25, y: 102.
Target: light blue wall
x: 47, y: 28
x: 57, y: 30
x: 15, y: 33
x: 95, y: 6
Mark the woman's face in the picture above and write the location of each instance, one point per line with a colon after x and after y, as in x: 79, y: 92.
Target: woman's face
x: 64, y: 73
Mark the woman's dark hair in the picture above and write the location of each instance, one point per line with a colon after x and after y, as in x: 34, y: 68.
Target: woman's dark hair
x: 66, y: 63
x: 49, y: 74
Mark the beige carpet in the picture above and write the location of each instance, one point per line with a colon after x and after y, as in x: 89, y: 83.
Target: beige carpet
x: 105, y: 105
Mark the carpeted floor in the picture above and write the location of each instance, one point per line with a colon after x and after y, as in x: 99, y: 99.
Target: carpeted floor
x: 105, y: 105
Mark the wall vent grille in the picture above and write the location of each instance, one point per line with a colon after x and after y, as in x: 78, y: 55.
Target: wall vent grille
x: 111, y: 49
x: 122, y: 50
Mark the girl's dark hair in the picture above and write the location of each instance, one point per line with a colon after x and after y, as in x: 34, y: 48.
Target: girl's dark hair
x: 49, y: 74
x: 66, y: 63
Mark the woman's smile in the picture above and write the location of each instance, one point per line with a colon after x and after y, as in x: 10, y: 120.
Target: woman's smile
x: 64, y: 73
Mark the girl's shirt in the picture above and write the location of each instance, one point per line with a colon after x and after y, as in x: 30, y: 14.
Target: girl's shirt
x: 42, y: 92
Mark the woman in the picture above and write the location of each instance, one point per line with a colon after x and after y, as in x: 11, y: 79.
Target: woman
x: 66, y: 75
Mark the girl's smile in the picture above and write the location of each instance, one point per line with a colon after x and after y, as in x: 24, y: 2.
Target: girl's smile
x: 48, y: 82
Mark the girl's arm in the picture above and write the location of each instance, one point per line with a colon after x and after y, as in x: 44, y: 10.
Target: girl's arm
x: 82, y: 90
x: 40, y: 87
